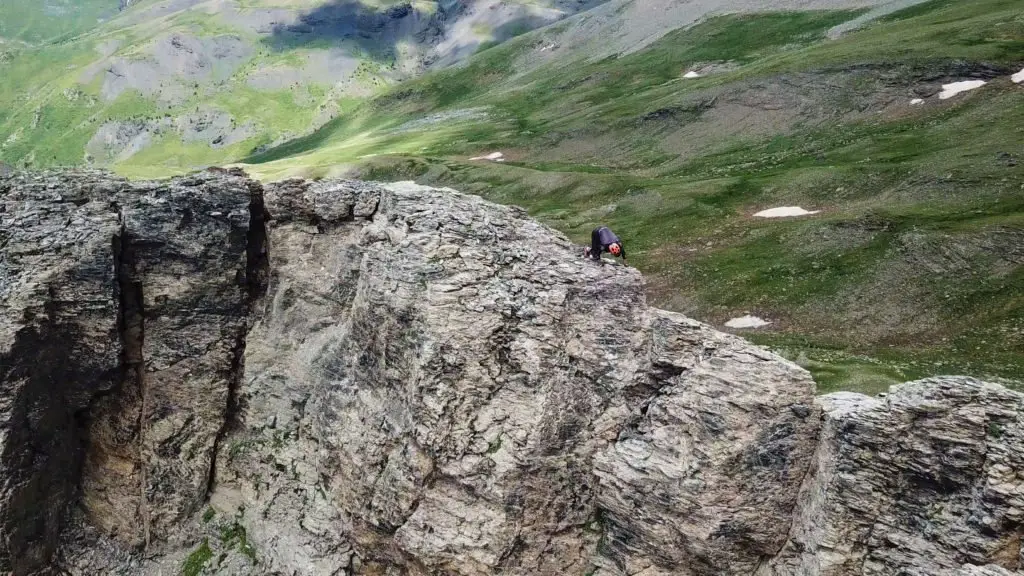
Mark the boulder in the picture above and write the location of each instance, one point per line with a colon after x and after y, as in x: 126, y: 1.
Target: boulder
x: 448, y: 385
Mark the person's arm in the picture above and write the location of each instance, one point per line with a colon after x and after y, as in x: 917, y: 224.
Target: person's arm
x: 623, y: 248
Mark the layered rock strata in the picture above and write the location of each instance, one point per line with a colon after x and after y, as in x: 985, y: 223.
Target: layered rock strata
x: 208, y: 375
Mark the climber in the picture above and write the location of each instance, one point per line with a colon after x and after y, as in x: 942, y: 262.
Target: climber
x: 602, y: 239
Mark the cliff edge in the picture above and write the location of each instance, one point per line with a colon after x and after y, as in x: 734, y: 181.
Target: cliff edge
x: 209, y: 375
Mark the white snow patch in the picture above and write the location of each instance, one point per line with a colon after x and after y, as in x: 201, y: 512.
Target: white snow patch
x: 950, y: 90
x: 691, y: 74
x: 747, y: 322
x: 785, y: 212
x: 493, y: 157
x: 1018, y: 77
x: 917, y: 102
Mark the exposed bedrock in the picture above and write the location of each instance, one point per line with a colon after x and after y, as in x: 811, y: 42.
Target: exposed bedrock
x: 344, y: 377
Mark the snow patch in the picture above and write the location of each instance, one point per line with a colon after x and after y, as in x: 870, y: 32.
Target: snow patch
x: 691, y: 74
x: 785, y: 212
x: 917, y: 102
x: 950, y: 90
x: 747, y: 321
x: 1018, y: 77
x: 493, y: 157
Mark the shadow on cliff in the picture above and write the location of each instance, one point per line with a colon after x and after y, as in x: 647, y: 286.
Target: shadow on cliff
x: 376, y: 32
x: 373, y: 30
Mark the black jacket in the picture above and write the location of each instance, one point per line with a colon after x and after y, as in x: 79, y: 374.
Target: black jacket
x: 601, y: 238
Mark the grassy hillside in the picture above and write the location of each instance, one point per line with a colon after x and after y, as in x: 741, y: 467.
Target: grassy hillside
x: 914, y: 264
x: 168, y: 86
x: 38, y: 22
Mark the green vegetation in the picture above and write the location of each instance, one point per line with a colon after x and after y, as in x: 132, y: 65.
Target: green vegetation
x: 988, y: 30
x: 197, y: 560
x: 36, y: 22
x: 234, y: 536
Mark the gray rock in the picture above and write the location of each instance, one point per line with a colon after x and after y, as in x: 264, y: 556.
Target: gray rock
x: 445, y: 380
x: 115, y: 141
x: 172, y: 63
x: 59, y: 352
x: 342, y: 377
x: 213, y: 127
x: 124, y: 313
x: 990, y: 570
x: 918, y: 483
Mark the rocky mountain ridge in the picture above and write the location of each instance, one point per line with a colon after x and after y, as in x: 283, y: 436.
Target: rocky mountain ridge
x: 211, y: 375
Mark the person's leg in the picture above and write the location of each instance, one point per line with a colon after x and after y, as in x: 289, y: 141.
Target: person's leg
x: 595, y: 244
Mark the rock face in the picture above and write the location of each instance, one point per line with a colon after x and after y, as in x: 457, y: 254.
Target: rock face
x: 922, y: 482
x: 124, y: 313
x: 449, y: 384
x: 59, y: 351
x: 209, y: 376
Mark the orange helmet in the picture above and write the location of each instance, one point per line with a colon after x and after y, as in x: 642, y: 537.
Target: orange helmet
x: 615, y: 249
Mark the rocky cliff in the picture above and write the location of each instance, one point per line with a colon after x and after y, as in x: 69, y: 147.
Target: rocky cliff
x: 207, y: 375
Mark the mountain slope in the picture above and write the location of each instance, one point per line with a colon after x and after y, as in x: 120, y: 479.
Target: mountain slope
x: 40, y: 22
x: 206, y: 81
x: 913, y: 267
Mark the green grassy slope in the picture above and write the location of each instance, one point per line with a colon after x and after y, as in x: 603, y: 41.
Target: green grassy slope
x: 914, y: 267
x: 54, y: 101
x: 53, y: 106
x: 130, y: 91
x: 37, y: 22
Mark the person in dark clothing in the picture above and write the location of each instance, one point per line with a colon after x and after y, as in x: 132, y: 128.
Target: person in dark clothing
x: 604, y: 240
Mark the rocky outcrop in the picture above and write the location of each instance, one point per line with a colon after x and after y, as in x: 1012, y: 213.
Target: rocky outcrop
x: 59, y: 351
x: 124, y: 309
x: 449, y: 382
x: 920, y: 482
x: 209, y: 376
